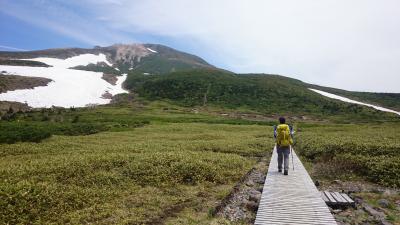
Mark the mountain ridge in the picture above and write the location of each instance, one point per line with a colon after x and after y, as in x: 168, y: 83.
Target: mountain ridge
x: 125, y: 57
x: 160, y: 72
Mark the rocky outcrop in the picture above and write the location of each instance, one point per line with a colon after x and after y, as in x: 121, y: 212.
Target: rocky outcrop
x: 110, y: 78
x: 16, y: 82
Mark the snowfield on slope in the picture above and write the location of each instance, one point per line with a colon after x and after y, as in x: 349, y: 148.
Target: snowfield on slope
x: 69, y: 87
x: 151, y: 50
x: 344, y: 99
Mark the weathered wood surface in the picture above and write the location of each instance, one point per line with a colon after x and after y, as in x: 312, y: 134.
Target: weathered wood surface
x: 336, y: 199
x: 291, y: 199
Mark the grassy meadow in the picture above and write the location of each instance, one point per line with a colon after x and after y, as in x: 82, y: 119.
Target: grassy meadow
x: 158, y: 163
x: 174, y: 165
x: 368, y: 151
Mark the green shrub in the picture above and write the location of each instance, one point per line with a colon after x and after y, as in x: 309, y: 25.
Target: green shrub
x: 373, y: 151
x: 79, y: 129
x: 14, y: 132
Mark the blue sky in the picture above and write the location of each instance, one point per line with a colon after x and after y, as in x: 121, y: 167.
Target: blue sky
x: 345, y: 44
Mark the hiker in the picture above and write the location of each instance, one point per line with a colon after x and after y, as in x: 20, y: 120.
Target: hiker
x: 282, y: 134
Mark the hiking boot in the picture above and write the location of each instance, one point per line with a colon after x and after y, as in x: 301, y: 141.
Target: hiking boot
x: 285, y: 172
x: 280, y: 170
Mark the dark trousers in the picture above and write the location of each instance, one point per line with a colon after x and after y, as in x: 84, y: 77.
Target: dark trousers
x: 283, y: 157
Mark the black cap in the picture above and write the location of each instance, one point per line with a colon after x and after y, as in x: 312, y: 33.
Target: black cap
x: 282, y: 120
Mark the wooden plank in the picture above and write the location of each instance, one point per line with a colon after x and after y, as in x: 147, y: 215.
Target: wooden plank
x: 338, y: 197
x: 330, y: 197
x: 297, y: 221
x: 348, y: 199
x: 291, y: 199
x: 323, y: 196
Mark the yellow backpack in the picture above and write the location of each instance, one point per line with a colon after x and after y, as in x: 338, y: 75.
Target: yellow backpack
x: 283, y: 138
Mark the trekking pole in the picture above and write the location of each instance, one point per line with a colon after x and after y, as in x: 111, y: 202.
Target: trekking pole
x: 291, y: 148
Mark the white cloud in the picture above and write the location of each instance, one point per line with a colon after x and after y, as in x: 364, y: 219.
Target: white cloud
x: 346, y: 44
x: 11, y: 48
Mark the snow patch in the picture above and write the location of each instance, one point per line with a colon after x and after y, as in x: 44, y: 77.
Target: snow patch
x: 116, y: 69
x: 153, y: 51
x: 344, y: 99
x: 118, y: 85
x: 70, y: 87
x: 80, y: 60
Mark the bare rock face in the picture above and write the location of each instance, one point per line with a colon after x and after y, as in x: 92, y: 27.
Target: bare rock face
x: 107, y: 95
x: 110, y: 78
x: 130, y: 53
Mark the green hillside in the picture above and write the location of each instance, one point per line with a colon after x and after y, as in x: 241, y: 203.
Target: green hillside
x: 158, y: 64
x: 269, y: 94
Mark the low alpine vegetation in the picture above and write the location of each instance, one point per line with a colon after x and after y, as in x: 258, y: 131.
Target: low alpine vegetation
x: 135, y: 176
x: 369, y: 151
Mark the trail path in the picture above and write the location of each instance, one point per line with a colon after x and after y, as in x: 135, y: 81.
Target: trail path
x: 291, y: 199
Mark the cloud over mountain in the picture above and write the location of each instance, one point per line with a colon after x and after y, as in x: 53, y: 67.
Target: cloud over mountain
x: 351, y: 45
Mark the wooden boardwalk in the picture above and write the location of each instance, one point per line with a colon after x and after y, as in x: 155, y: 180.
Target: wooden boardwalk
x: 291, y: 199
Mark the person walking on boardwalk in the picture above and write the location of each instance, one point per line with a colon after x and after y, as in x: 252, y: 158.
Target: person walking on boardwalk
x: 284, y: 140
